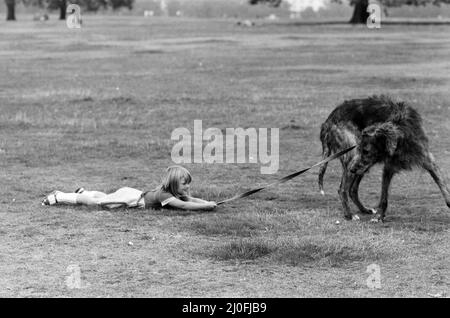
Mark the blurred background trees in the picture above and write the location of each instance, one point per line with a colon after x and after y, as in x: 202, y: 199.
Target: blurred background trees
x: 61, y: 5
x: 360, y: 13
x: 10, y: 10
x: 355, y: 10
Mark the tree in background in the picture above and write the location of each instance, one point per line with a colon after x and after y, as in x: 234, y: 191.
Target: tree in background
x: 116, y: 4
x: 11, y: 10
x: 86, y: 5
x: 272, y: 3
x: 360, y: 13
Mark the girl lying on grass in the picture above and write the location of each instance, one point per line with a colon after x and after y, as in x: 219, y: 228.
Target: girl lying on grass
x: 173, y: 192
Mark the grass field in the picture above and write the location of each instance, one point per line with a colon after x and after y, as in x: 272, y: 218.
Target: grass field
x: 96, y: 108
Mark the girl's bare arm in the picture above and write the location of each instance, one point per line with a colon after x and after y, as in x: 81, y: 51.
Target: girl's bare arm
x: 197, y: 200
x: 188, y: 205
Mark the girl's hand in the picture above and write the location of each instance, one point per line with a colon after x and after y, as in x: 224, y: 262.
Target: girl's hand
x: 212, y: 204
x: 194, y: 206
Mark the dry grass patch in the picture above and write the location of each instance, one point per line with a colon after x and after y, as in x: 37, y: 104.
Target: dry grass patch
x: 327, y: 253
x: 242, y: 250
x: 301, y: 252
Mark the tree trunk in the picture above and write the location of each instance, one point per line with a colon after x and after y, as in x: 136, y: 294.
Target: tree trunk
x: 62, y: 9
x: 360, y: 13
x: 11, y: 6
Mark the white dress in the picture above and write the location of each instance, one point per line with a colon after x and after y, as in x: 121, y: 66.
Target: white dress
x: 131, y: 197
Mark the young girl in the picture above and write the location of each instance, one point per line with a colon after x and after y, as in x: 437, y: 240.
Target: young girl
x: 173, y: 192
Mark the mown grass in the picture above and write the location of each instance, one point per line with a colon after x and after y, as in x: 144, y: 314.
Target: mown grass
x: 297, y: 238
x: 96, y: 109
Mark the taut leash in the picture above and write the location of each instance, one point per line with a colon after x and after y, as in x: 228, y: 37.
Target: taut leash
x: 289, y: 177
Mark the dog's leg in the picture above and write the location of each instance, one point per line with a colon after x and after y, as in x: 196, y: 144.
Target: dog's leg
x: 430, y: 165
x: 388, y: 174
x: 354, y: 195
x: 346, y: 182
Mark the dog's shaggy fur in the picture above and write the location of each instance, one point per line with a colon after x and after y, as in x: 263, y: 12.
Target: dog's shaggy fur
x: 386, y: 132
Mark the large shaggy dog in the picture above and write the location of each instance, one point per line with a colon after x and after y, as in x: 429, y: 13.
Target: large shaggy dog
x: 386, y: 132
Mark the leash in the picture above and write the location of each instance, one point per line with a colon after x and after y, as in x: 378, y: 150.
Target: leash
x: 289, y: 177
x: 250, y: 192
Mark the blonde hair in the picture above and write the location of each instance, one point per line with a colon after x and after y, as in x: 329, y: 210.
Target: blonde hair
x: 171, y: 180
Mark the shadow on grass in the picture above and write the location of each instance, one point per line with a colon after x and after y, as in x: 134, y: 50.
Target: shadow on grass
x: 225, y: 225
x: 149, y: 52
x: 330, y: 254
x: 242, y: 250
x: 321, y: 253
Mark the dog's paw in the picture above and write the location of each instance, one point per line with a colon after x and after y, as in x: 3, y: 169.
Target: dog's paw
x: 355, y: 217
x: 322, y: 192
x: 370, y: 211
x: 376, y: 219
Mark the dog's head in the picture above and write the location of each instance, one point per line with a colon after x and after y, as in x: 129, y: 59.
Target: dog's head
x: 378, y: 142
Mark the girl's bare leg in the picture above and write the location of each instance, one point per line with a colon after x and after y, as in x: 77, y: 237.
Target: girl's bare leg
x: 90, y: 197
x: 124, y: 195
x: 86, y: 197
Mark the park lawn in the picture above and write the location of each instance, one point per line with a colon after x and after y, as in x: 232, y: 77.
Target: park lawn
x: 96, y: 107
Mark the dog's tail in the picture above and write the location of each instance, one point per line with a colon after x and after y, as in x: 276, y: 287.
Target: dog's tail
x: 325, y: 153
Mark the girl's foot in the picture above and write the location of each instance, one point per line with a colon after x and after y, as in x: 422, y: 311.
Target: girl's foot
x: 79, y: 190
x: 50, y: 199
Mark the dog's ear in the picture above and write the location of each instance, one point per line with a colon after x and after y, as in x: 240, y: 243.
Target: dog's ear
x: 389, y: 133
